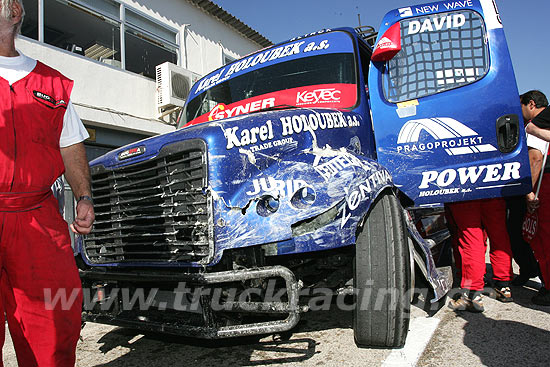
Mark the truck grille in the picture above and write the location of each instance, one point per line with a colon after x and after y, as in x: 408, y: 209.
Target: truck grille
x: 153, y: 211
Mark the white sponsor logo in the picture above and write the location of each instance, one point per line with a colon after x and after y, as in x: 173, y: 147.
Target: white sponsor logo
x: 437, y: 24
x: 337, y: 164
x: 385, y: 43
x: 487, y: 173
x: 269, y: 55
x: 277, y: 188
x: 356, y: 197
x: 317, y: 121
x: 313, y: 46
x: 271, y: 144
x: 405, y: 12
x: 326, y: 95
x: 290, y: 125
x: 221, y: 111
x: 248, y: 136
x: 427, y: 8
x: 208, y: 82
x: 439, y: 192
x: 451, y: 135
x: 458, y: 4
x: 312, y: 34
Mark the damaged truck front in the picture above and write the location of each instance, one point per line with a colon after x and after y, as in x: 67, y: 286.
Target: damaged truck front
x: 278, y: 188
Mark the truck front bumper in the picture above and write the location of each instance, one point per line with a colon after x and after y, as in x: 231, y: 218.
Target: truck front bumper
x: 118, y: 298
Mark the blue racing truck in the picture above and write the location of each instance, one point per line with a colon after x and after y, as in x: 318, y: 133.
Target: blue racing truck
x: 306, y: 166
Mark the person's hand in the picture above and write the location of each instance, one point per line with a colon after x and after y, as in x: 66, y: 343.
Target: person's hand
x: 532, y: 202
x: 84, y: 217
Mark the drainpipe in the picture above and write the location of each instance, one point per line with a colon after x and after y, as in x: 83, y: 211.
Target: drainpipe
x: 41, y: 21
x: 183, y: 61
x: 122, y: 37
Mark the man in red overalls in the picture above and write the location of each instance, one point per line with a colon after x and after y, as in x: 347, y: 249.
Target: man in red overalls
x: 473, y: 219
x: 36, y: 259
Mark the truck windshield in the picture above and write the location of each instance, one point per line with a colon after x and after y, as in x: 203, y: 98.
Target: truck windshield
x: 313, y: 79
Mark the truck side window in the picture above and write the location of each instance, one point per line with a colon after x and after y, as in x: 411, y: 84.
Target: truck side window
x: 439, y: 52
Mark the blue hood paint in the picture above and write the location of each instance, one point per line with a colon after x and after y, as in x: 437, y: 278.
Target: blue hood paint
x: 278, y: 153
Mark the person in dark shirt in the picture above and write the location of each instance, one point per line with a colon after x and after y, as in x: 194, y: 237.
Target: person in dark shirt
x: 532, y: 102
x: 534, y: 108
x: 536, y: 113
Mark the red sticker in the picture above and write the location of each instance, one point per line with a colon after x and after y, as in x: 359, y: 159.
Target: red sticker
x: 322, y: 95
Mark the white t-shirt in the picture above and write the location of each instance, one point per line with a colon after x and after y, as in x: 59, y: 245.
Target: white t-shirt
x: 16, y: 68
x: 536, y: 143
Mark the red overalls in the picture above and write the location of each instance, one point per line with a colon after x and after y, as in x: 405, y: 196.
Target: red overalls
x: 472, y: 218
x: 36, y: 259
x: 541, y: 243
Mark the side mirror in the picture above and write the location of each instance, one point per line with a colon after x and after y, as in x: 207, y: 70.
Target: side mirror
x: 389, y: 44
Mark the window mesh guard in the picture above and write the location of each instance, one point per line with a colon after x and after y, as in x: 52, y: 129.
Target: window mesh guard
x: 432, y: 61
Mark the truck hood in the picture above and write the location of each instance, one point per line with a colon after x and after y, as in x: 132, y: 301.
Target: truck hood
x: 252, y: 132
x: 274, y: 155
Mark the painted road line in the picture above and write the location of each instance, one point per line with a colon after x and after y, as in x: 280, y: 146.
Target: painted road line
x: 420, y: 332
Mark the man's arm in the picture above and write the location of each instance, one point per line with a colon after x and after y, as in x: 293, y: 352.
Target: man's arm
x: 535, y: 161
x: 533, y: 129
x: 77, y: 173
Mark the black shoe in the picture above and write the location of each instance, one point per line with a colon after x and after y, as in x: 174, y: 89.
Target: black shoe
x: 542, y: 298
x: 521, y: 280
x: 465, y: 303
x: 504, y: 294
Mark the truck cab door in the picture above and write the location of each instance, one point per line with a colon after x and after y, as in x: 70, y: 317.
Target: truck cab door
x: 445, y: 104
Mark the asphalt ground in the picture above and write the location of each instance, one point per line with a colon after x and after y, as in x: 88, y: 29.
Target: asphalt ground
x: 506, y: 334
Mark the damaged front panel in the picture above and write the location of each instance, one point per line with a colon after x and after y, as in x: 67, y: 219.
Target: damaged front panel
x: 226, y: 185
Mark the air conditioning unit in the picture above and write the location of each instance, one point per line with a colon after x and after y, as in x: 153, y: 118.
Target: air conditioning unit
x: 173, y: 86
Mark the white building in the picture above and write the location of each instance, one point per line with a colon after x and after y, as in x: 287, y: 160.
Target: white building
x: 110, y: 48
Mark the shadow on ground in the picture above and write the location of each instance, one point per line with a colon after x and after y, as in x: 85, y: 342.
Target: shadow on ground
x: 516, y: 343
x: 162, y: 350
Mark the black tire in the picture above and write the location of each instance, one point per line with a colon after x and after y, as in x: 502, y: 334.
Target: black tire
x: 382, y: 277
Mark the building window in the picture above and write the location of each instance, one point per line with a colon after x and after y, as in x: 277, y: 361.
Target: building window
x: 30, y: 23
x: 104, y: 30
x: 148, y: 44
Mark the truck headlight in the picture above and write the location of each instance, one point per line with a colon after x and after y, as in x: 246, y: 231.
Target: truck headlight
x: 303, y: 198
x: 267, y: 205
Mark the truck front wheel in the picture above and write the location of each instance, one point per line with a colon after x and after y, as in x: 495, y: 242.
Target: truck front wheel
x: 382, y: 276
